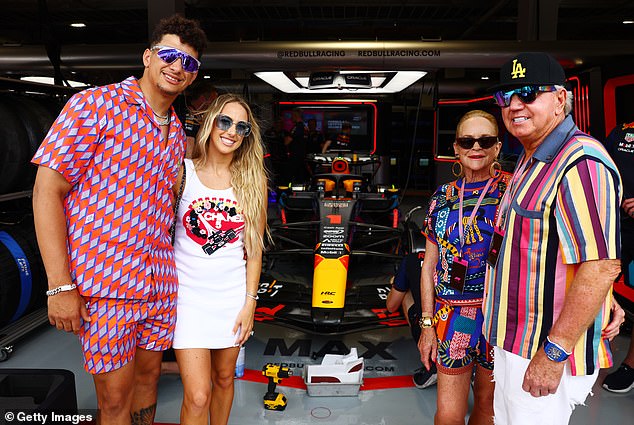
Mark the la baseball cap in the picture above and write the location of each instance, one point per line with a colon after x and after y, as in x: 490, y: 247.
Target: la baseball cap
x: 530, y: 69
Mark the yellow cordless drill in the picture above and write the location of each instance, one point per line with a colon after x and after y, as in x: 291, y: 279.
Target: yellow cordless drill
x: 275, y: 373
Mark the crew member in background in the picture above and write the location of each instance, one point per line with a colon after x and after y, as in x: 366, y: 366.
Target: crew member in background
x: 295, y: 144
x: 405, y: 294
x: 620, y: 146
x: 341, y: 141
x: 197, y: 98
x: 273, y: 139
x: 315, y: 138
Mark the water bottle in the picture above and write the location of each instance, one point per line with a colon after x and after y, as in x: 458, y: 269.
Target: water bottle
x: 240, y: 363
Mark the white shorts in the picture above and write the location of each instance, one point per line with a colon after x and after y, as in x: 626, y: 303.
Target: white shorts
x: 514, y: 406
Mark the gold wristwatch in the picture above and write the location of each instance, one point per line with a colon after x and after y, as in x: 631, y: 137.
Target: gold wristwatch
x: 426, y: 322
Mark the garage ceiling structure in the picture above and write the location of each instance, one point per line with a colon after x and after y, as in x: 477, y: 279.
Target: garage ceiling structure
x: 472, y: 37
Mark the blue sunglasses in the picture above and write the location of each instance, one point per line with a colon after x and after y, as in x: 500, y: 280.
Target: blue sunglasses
x: 171, y: 54
x: 526, y: 94
x: 224, y: 123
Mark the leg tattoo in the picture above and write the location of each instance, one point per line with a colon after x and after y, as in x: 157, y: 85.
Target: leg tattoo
x: 145, y: 416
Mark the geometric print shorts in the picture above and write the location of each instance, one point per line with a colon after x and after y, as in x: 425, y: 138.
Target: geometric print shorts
x: 119, y: 326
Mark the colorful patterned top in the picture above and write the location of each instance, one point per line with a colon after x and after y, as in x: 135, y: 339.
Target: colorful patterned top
x: 108, y: 146
x: 564, y: 210
x: 441, y: 228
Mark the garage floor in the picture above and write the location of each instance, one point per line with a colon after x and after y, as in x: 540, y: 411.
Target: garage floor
x: 387, y: 396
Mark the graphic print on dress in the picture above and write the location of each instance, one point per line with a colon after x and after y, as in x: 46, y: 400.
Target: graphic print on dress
x: 213, y: 222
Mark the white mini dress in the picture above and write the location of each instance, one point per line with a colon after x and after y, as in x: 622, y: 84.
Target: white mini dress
x: 210, y: 259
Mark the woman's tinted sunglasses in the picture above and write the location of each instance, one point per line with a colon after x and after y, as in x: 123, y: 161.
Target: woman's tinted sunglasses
x: 526, y: 94
x: 224, y: 123
x: 172, y: 54
x: 485, y: 142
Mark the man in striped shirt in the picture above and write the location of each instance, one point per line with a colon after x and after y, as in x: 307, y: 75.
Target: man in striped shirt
x: 548, y: 286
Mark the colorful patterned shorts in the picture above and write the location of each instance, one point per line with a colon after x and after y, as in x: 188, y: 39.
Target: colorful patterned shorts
x: 460, y: 339
x: 118, y: 326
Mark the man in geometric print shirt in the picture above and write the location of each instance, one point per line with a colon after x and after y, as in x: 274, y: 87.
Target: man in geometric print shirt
x: 548, y: 296
x: 102, y: 202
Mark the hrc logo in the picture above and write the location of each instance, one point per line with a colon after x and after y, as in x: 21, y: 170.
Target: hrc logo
x: 518, y: 70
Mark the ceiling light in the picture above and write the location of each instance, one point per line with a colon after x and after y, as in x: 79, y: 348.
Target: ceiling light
x: 51, y: 81
x: 628, y: 22
x: 78, y: 25
x: 484, y: 77
x: 376, y: 81
x: 341, y: 82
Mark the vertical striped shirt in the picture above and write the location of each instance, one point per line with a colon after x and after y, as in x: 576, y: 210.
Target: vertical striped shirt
x: 560, y: 210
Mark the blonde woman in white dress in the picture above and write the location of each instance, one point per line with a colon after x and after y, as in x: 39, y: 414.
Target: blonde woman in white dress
x: 218, y: 245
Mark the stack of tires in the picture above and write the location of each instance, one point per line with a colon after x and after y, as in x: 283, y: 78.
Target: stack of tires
x: 22, y: 276
x: 24, y: 121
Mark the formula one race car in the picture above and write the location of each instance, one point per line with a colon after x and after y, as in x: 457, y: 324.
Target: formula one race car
x: 336, y: 244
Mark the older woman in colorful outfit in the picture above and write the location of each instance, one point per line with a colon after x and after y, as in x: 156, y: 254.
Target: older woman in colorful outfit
x: 459, y: 229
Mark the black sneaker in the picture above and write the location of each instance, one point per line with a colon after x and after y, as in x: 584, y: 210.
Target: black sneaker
x: 620, y: 381
x: 424, y: 378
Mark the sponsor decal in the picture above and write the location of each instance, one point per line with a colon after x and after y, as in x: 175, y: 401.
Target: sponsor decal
x: 263, y: 314
x: 334, y: 204
x: 382, y: 292
x: 391, y: 319
x: 304, y: 348
x: 269, y: 289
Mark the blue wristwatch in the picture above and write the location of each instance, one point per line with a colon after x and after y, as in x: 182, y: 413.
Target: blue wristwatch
x: 554, y: 351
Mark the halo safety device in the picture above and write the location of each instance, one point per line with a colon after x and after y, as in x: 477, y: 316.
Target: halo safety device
x: 172, y: 54
x: 526, y: 94
x: 485, y: 142
x: 224, y: 123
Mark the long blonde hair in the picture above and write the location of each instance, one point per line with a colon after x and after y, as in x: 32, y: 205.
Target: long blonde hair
x: 248, y: 174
